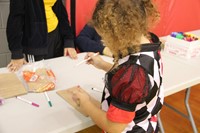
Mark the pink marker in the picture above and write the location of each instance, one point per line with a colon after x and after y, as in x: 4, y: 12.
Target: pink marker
x: 1, y: 101
x: 26, y: 101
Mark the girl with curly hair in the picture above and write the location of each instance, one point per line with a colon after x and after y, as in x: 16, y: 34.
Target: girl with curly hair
x: 133, y: 93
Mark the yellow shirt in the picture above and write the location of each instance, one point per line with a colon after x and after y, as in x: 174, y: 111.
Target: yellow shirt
x: 52, y: 20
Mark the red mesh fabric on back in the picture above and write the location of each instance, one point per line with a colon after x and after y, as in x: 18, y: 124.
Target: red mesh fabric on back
x: 130, y: 84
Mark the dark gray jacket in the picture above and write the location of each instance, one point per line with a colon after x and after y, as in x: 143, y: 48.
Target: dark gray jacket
x: 27, y: 27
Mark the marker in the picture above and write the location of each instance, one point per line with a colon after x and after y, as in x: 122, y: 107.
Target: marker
x: 95, y: 89
x: 184, y: 36
x: 26, y: 101
x: 49, y: 101
x: 86, y: 59
x: 1, y: 101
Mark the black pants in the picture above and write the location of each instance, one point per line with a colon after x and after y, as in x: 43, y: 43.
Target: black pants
x: 55, y: 46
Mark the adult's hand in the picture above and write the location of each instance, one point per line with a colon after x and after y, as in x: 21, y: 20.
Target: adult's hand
x: 71, y: 52
x: 16, y: 64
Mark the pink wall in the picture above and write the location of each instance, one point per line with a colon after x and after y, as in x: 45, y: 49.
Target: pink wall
x: 84, y: 10
x: 176, y: 15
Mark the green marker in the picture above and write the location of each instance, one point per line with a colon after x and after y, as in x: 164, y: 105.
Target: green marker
x: 49, y: 101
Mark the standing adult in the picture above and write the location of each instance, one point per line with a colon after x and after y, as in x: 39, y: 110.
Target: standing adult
x: 39, y: 28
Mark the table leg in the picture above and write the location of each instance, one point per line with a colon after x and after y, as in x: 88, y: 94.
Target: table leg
x: 189, y: 113
x: 187, y: 95
x: 160, y: 124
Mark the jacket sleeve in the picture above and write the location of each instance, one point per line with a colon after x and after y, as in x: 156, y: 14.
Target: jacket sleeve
x: 64, y: 25
x: 89, y: 41
x: 14, y: 28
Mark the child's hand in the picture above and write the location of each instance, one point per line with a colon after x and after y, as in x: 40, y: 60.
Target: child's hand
x: 96, y: 61
x: 107, y: 52
x: 81, y: 98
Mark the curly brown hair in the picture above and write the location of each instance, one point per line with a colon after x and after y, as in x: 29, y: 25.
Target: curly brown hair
x: 121, y: 23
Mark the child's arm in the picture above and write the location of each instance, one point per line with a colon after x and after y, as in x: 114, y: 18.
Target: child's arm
x: 91, y: 108
x: 99, y: 117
